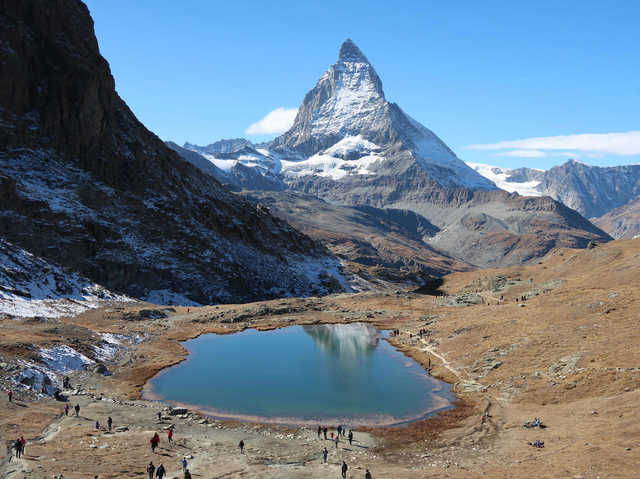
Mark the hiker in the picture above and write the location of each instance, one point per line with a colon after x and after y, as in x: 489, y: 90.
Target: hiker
x: 332, y: 436
x: 319, y: 431
x: 241, y: 446
x: 187, y: 474
x: 159, y: 416
x: 160, y: 472
x: 325, y: 432
x: 339, y: 430
x: 24, y: 443
x: 109, y: 422
x: 325, y: 453
x: 18, y: 446
x: 184, y: 464
x: 536, y: 422
x: 169, y: 434
x: 482, y: 419
x: 154, y: 444
x: 10, y: 394
x: 77, y: 408
x: 367, y: 475
x: 344, y: 469
x: 156, y: 437
x: 97, y: 425
x: 337, y: 440
x: 151, y: 469
x: 66, y: 409
x: 350, y: 436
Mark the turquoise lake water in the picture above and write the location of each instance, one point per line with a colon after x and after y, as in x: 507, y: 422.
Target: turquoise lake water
x: 302, y: 375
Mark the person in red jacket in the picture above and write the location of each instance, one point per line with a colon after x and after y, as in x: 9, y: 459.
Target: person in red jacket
x: 169, y: 434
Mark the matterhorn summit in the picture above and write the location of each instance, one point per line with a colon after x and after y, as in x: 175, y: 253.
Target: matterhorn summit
x: 348, y: 106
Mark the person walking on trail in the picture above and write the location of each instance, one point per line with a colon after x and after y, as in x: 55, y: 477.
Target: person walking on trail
x: 159, y: 416
x: 332, y: 436
x: 241, y: 446
x: 344, y: 469
x: 339, y: 430
x: 325, y: 453
x: 10, y: 394
x: 187, y: 474
x: 109, y: 422
x: 66, y: 409
x: 18, y: 446
x: 154, y: 444
x: 151, y: 469
x: 169, y: 434
x: 367, y: 475
x: 337, y: 440
x: 350, y: 436
x: 184, y: 464
x: 325, y: 432
x: 24, y: 443
x: 160, y: 472
x: 77, y: 409
x: 319, y: 431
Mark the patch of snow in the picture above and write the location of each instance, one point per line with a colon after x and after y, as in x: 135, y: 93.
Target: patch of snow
x: 165, y: 297
x: 499, y: 177
x: 331, y: 163
x: 33, y: 287
x: 64, y: 359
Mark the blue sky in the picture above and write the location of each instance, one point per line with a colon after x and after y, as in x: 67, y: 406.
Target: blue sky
x: 476, y: 73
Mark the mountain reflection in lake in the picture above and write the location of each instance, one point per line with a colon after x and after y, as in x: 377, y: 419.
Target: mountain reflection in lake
x: 302, y: 375
x: 345, y: 339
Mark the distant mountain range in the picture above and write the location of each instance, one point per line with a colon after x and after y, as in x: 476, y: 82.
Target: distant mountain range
x: 592, y: 191
x: 349, y: 146
x: 84, y: 184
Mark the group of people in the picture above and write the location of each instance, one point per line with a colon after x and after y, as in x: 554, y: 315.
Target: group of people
x: 535, y: 423
x: 160, y: 470
x: 19, y: 446
x: 336, y: 437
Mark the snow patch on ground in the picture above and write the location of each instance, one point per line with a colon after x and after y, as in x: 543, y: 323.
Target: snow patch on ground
x: 64, y: 359
x: 56, y: 363
x: 499, y: 177
x: 165, y: 297
x: 33, y: 287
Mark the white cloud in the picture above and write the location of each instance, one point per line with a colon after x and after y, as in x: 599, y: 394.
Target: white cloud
x: 277, y: 121
x: 590, y: 145
x: 524, y: 153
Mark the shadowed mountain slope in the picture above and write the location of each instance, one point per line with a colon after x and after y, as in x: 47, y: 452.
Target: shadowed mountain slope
x: 85, y: 184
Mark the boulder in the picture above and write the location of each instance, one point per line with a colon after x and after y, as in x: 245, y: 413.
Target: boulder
x: 178, y: 411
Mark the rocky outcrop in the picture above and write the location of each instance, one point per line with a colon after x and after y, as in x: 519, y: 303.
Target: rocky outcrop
x: 623, y: 222
x: 86, y: 185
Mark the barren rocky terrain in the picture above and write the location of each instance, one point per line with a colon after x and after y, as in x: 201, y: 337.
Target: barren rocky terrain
x: 567, y: 354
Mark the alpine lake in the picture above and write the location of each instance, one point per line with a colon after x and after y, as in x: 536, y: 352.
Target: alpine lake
x: 302, y: 375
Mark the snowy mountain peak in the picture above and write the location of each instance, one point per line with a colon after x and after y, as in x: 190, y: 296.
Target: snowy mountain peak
x: 349, y: 52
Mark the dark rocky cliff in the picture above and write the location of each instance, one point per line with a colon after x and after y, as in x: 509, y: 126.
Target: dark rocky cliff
x: 84, y: 183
